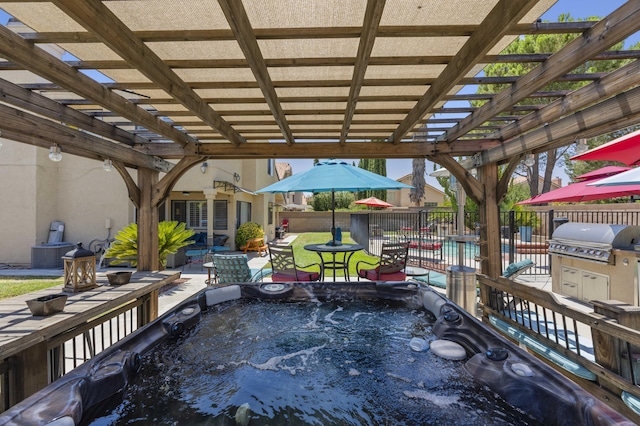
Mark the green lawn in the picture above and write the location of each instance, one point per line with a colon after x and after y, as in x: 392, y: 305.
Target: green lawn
x: 16, y: 286
x: 304, y: 257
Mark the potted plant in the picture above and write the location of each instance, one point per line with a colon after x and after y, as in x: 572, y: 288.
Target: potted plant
x: 526, y: 221
x: 172, y: 235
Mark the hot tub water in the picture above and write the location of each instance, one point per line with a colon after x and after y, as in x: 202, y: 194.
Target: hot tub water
x: 307, y: 363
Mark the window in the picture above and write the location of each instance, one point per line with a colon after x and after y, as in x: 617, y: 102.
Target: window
x: 243, y: 212
x: 220, y: 218
x: 179, y: 211
x: 193, y: 213
x: 391, y: 196
x: 197, y: 211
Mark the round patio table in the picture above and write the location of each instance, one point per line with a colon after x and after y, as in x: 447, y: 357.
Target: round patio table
x: 416, y: 271
x: 335, y: 263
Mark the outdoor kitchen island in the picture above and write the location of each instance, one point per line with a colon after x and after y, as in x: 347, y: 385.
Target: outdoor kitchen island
x: 592, y: 261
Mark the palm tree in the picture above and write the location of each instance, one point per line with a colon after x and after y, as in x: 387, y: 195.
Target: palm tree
x: 417, y: 181
x: 172, y: 235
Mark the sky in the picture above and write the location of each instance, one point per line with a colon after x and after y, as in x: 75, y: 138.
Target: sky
x: 578, y: 9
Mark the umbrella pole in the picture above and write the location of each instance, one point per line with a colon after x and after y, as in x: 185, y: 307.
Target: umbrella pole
x: 333, y: 217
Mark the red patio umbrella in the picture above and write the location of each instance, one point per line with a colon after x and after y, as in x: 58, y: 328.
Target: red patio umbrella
x: 582, y: 191
x: 373, y: 202
x: 625, y: 149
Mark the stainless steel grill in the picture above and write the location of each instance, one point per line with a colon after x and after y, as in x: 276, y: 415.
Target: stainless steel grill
x: 593, y: 241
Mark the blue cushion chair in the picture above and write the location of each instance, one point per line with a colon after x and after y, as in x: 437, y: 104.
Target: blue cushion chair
x: 234, y: 268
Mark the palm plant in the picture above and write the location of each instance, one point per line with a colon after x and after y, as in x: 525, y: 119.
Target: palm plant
x: 172, y: 235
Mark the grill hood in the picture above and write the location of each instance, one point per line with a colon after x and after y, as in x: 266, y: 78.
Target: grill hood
x: 593, y: 241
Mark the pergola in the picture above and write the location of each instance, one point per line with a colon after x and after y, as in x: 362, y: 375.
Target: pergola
x: 143, y: 82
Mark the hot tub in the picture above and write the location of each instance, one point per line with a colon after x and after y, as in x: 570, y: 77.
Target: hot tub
x: 352, y: 343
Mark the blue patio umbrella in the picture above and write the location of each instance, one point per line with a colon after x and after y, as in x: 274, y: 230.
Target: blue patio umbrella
x: 332, y: 176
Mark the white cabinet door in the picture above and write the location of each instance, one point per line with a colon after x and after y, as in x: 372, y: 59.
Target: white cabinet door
x: 595, y: 286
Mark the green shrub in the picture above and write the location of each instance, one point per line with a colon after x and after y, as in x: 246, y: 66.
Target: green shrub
x: 172, y: 236
x: 524, y: 217
x: 247, y: 231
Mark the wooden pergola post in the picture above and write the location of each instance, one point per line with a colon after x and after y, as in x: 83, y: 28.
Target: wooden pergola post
x: 148, y: 259
x: 489, y: 217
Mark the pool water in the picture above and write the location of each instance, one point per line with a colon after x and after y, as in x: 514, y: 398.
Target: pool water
x: 330, y: 363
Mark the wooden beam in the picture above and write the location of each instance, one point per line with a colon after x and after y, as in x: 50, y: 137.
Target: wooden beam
x: 372, y: 16
x: 444, y: 30
x: 374, y: 149
x: 616, y: 81
x: 97, y: 18
x: 164, y: 186
x: 505, y: 14
x: 14, y: 48
x: 132, y: 188
x: 106, y: 64
x: 489, y: 218
x: 471, y: 185
x: 620, y: 24
x: 28, y: 128
x: 148, y: 256
x: 239, y: 22
x: 619, y: 107
x: 503, y: 183
x: 25, y: 99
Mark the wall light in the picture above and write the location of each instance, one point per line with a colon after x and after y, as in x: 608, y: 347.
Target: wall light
x: 581, y: 146
x: 54, y: 153
x: 107, y: 165
x: 530, y: 160
x: 203, y: 167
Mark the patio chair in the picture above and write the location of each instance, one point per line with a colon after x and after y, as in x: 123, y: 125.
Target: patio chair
x: 234, y: 268
x: 284, y: 266
x: 390, y: 267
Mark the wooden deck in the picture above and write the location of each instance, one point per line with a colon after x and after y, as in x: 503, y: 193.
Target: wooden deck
x: 27, y: 339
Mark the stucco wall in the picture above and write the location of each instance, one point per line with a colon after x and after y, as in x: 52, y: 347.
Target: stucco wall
x: 37, y: 191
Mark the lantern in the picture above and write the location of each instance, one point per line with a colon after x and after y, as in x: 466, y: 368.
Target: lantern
x: 79, y: 269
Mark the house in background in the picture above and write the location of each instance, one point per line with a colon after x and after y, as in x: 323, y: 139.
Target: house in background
x: 433, y: 197
x: 522, y: 180
x: 94, y: 204
x: 289, y: 200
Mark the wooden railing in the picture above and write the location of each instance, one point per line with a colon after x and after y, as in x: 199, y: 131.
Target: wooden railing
x: 598, y: 348
x: 35, y: 351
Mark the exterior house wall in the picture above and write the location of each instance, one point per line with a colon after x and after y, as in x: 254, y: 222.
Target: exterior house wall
x: 36, y: 191
x: 400, y: 197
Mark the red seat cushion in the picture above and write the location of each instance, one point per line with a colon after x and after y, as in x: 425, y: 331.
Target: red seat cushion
x: 372, y: 274
x: 291, y: 277
x: 432, y: 246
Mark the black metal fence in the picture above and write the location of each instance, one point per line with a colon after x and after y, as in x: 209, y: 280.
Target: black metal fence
x: 434, y: 241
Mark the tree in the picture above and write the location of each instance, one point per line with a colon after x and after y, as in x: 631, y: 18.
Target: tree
x: 378, y: 166
x: 417, y: 180
x: 542, y: 43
